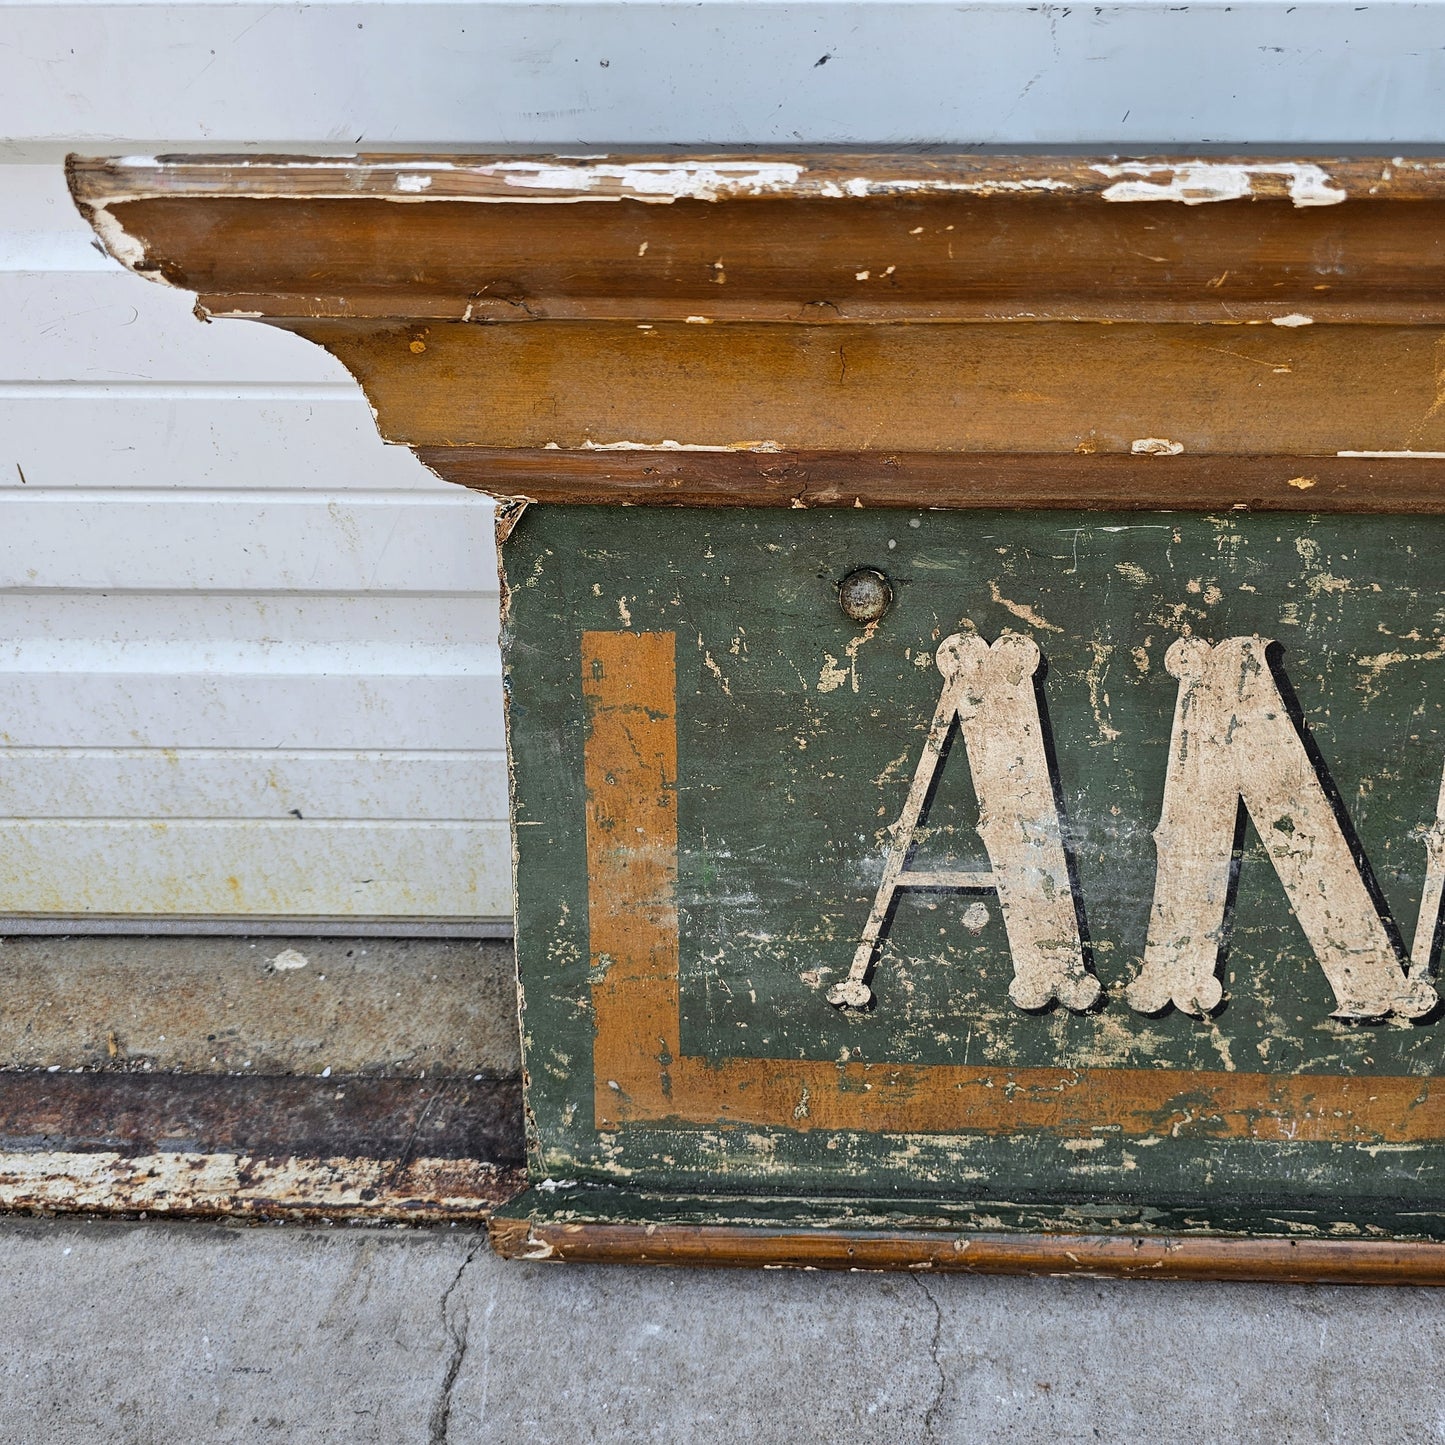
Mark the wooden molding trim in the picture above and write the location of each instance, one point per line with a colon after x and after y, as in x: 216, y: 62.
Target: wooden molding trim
x: 724, y: 316
x: 1100, y: 482
x: 1066, y: 389
x: 816, y: 238
x: 1280, y: 1261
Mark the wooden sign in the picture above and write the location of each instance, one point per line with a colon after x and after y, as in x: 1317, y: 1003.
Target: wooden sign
x: 975, y: 662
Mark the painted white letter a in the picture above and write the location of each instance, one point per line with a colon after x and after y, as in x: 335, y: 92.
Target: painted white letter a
x: 990, y: 692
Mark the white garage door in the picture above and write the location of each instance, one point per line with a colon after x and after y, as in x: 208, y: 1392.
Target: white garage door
x: 247, y: 654
x: 248, y: 660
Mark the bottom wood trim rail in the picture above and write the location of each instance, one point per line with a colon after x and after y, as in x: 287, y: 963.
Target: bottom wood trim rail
x: 345, y: 1148
x: 1283, y: 1261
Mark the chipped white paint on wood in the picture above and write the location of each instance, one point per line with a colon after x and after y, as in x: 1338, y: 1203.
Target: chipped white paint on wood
x: 553, y: 181
x: 1233, y: 740
x: 667, y: 445
x: 557, y: 181
x: 187, y: 1182
x: 1200, y: 182
x: 989, y: 691
x: 646, y: 181
x: 1430, y: 456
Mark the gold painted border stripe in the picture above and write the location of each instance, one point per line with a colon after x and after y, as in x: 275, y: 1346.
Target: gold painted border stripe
x: 629, y: 691
x: 641, y: 1077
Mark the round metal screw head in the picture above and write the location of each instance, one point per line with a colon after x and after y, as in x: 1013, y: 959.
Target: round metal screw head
x: 865, y: 594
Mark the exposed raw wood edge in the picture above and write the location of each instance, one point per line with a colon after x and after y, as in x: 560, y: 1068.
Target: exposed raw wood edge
x: 129, y: 250
x: 1164, y: 1257
x: 837, y: 175
x: 1039, y: 239
x: 511, y: 508
x: 194, y: 1183
x: 1400, y: 483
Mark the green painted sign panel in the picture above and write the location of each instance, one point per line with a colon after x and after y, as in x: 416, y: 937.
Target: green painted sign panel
x: 1105, y: 865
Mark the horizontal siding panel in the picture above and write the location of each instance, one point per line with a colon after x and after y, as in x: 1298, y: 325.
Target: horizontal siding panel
x: 40, y: 229
x: 63, y: 434
x: 99, y: 326
x: 192, y: 783
x: 267, y: 623
x: 333, y: 662
x: 201, y: 710
x: 230, y: 869
x: 244, y: 543
x: 415, y: 75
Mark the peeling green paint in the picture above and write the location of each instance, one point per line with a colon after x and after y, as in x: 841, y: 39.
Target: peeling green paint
x: 798, y: 731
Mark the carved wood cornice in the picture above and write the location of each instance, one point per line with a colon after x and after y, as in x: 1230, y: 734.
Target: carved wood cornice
x: 844, y: 328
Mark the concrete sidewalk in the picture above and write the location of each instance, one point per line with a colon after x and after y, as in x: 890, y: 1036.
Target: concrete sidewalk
x: 155, y: 1332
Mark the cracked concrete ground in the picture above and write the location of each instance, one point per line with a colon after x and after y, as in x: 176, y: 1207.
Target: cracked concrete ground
x: 153, y: 1332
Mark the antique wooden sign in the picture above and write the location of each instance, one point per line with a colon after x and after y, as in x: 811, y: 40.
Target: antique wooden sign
x: 975, y: 663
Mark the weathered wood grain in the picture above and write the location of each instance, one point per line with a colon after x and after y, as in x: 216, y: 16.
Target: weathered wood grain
x: 1068, y: 388
x: 801, y: 238
x: 1282, y: 1261
x: 956, y: 481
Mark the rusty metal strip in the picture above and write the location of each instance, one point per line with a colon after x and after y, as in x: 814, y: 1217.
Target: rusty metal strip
x: 378, y: 1117
x: 347, y: 1147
